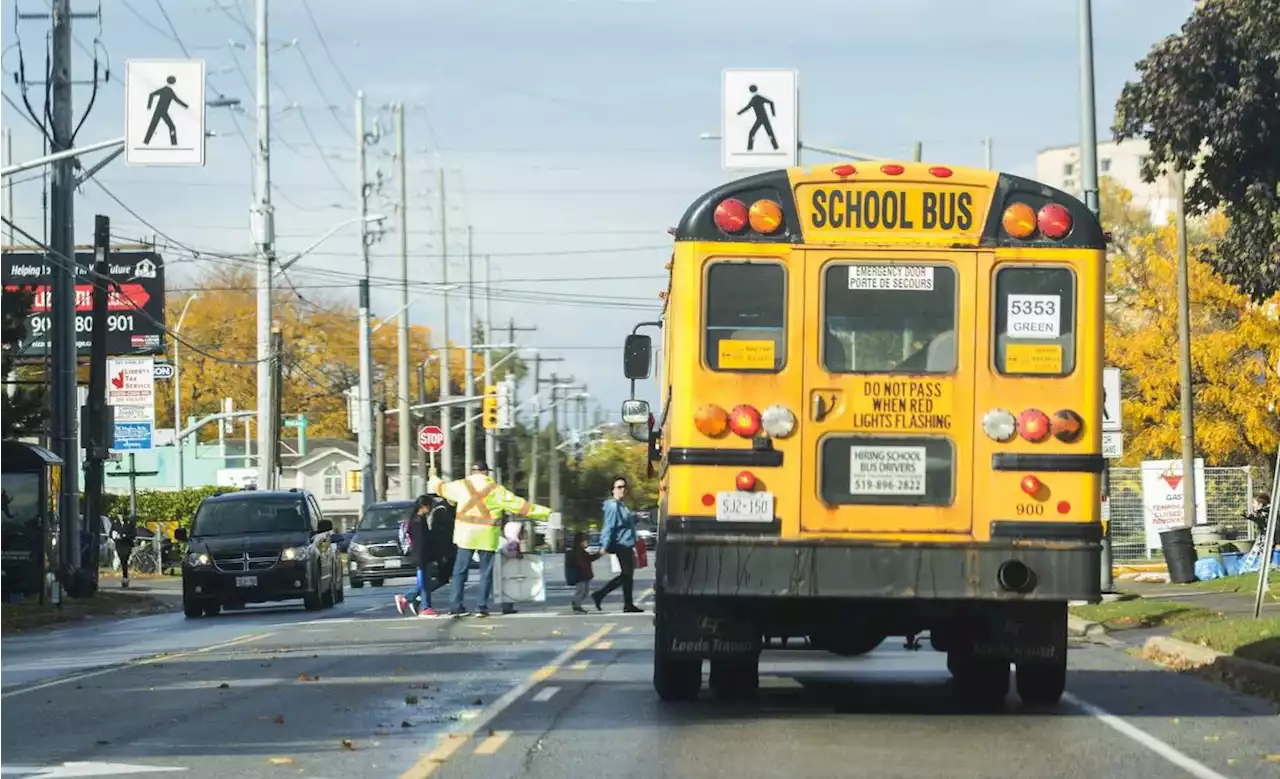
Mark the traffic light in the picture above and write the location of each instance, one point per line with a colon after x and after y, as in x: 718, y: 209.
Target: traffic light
x: 490, y: 407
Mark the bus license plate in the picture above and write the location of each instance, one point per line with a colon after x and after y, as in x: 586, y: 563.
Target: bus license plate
x: 246, y: 581
x: 744, y: 507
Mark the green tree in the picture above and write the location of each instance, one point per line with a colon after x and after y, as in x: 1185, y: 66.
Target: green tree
x: 1208, y: 100
x: 24, y: 413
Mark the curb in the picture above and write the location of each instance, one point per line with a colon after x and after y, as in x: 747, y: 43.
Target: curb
x: 1083, y: 628
x: 1201, y: 657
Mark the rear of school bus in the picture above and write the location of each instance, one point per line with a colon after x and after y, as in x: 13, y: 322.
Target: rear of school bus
x: 880, y: 416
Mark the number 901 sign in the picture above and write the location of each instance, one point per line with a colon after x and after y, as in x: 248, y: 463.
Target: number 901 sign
x: 134, y: 323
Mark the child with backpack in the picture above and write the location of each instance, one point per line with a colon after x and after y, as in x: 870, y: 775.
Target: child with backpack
x: 577, y: 569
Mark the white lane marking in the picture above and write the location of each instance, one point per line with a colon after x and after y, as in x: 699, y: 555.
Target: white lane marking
x: 1196, y: 769
x: 451, y: 741
x: 643, y: 596
x: 546, y: 694
x: 133, y: 663
x: 73, y: 769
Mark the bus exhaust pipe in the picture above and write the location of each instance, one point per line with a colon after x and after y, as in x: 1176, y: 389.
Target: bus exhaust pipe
x: 1015, y: 576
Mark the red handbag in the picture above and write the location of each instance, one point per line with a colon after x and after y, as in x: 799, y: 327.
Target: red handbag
x: 642, y: 557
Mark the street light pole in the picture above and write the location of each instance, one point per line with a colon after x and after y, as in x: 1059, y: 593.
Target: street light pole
x: 177, y: 390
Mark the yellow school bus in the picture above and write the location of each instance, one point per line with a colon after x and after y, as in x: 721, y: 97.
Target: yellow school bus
x: 880, y: 415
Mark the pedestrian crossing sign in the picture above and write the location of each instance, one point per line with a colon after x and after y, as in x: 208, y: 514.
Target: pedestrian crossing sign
x: 759, y: 123
x: 164, y: 109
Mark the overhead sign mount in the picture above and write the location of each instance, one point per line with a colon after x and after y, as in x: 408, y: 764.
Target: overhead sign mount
x: 164, y: 112
x: 759, y: 118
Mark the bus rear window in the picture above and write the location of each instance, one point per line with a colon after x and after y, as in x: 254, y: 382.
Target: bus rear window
x: 746, y: 317
x: 1035, y: 321
x: 889, y: 318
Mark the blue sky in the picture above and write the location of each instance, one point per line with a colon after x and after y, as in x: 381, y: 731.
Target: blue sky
x: 568, y: 130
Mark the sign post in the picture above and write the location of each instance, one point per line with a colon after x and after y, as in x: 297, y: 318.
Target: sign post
x: 759, y: 118
x: 164, y: 113
x: 1112, y: 435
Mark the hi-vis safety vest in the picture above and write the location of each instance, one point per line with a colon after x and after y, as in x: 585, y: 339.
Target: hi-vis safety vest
x: 482, y: 503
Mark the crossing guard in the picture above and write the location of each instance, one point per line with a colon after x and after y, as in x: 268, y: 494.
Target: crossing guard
x: 482, y: 503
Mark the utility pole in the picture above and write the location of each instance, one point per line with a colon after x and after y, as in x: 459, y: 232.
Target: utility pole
x: 62, y: 313
x: 1184, y: 361
x: 1089, y: 184
x: 917, y: 151
x: 379, y: 450
x: 537, y: 423
x: 277, y: 400
x: 986, y: 150
x: 420, y: 457
x: 365, y: 433
x: 263, y: 219
x: 490, y: 437
x: 446, y: 390
x: 468, y: 365
x: 402, y: 357
x: 95, y: 437
x: 8, y: 140
x: 1088, y: 121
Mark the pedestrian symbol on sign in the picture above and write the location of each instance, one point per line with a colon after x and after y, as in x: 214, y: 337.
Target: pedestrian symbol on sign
x: 163, y: 98
x: 757, y: 104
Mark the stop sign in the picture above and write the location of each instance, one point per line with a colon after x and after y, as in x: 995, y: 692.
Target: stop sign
x: 431, y: 439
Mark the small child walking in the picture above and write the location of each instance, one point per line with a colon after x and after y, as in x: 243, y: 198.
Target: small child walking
x: 577, y: 570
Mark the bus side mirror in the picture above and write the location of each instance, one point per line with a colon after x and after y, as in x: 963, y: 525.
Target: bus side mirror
x: 635, y: 412
x: 636, y: 356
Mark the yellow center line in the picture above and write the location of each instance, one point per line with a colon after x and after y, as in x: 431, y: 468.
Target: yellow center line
x: 581, y: 665
x: 429, y: 762
x: 493, y: 743
x: 605, y: 645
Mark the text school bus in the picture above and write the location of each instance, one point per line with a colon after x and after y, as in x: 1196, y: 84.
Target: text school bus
x: 880, y: 416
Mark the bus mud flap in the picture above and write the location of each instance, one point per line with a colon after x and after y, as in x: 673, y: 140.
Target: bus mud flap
x: 1027, y: 632
x: 688, y: 630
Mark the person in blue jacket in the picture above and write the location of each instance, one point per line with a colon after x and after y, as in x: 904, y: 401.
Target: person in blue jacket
x: 619, y: 538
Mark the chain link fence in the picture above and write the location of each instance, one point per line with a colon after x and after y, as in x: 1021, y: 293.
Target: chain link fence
x: 1228, y: 494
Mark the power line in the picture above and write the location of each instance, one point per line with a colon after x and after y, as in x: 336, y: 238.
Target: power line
x: 327, y: 52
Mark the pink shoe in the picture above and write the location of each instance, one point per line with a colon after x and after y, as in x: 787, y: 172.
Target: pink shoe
x: 401, y: 603
x: 428, y: 612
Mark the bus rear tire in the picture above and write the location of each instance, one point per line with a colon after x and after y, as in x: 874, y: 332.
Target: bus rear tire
x: 982, y: 681
x: 735, y: 679
x: 1041, y: 684
x: 676, y: 679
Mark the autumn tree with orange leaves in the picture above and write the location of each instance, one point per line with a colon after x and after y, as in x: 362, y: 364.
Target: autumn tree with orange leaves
x: 1235, y: 343
x: 320, y: 358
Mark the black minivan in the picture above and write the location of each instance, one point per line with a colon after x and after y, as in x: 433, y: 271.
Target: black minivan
x: 259, y: 547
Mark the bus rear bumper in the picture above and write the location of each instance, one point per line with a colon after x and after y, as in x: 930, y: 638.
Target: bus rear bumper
x: 721, y: 566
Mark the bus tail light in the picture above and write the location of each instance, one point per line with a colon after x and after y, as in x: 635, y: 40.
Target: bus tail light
x: 711, y: 420
x: 1030, y: 485
x: 731, y: 216
x: 1054, y: 221
x: 1019, y: 220
x: 765, y: 216
x: 1033, y: 425
x: 999, y: 425
x: 746, y: 481
x: 744, y: 420
x: 778, y: 421
x: 1067, y: 425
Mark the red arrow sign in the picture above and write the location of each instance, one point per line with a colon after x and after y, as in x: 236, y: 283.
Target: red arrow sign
x: 431, y: 439
x: 129, y: 297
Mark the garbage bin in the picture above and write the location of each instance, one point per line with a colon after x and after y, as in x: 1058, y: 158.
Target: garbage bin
x: 1180, y: 554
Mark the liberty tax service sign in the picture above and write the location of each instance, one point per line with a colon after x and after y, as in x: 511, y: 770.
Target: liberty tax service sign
x: 131, y: 392
x: 1163, y: 493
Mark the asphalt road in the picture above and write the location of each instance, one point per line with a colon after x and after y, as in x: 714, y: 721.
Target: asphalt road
x: 359, y: 691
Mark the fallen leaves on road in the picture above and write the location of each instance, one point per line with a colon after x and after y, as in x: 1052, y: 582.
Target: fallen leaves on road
x: 411, y: 700
x: 348, y: 744
x: 305, y: 677
x: 1272, y: 758
x: 279, y: 719
x: 406, y: 724
x: 224, y: 686
x: 280, y: 760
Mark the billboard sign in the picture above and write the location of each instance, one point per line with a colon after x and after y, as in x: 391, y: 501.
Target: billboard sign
x: 135, y: 302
